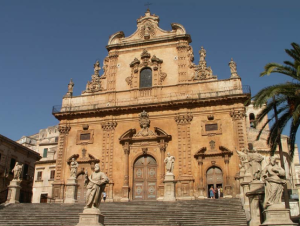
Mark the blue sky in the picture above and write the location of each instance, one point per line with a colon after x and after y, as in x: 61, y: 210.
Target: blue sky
x: 45, y: 43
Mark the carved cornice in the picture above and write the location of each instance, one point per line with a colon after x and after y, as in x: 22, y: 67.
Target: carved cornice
x: 184, y: 119
x: 237, y: 115
x: 109, y: 125
x: 64, y: 129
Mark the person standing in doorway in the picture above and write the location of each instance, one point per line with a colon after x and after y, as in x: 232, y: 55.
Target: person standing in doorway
x: 104, y: 196
x: 219, y: 192
x: 211, y: 192
x: 216, y: 193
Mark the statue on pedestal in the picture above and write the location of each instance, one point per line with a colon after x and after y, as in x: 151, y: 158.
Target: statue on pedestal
x: 17, y: 170
x: 95, y: 186
x: 273, y: 176
x: 169, y: 160
x: 74, y: 167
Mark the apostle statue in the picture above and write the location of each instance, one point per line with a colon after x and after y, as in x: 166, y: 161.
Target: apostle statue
x: 95, y: 186
x: 74, y: 166
x: 273, y: 176
x: 17, y: 170
x: 169, y: 160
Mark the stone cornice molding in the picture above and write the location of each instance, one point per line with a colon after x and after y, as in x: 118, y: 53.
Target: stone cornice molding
x: 225, y: 152
x: 167, y: 105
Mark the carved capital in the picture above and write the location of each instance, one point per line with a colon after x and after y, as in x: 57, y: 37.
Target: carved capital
x: 109, y: 125
x: 184, y: 119
x: 64, y: 129
x: 237, y: 115
x: 226, y: 159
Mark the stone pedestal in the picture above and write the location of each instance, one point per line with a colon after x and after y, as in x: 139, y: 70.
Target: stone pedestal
x: 91, y: 217
x: 255, y: 195
x: 14, y: 191
x: 169, y: 192
x: 71, y: 190
x: 227, y: 191
x: 201, y: 193
x: 277, y: 214
x: 245, y: 186
x: 125, y: 191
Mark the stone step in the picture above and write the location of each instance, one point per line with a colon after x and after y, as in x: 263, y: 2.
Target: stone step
x: 226, y: 212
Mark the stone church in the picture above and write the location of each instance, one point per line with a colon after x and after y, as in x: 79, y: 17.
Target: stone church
x: 148, y: 100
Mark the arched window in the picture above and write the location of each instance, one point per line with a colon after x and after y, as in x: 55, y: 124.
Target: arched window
x: 252, y: 120
x: 146, y: 78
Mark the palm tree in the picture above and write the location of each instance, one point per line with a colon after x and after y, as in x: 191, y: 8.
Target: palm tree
x: 282, y: 99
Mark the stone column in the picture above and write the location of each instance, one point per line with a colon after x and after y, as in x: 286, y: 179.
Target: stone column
x: 125, y: 188
x: 201, y: 187
x: 162, y: 147
x: 58, y: 184
x: 228, y: 187
x: 71, y: 190
x: 14, y: 191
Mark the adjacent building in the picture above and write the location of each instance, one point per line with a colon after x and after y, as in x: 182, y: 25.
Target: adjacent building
x: 10, y: 153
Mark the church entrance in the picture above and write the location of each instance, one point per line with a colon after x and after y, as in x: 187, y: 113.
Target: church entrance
x: 144, y: 179
x: 81, y: 189
x: 214, y: 177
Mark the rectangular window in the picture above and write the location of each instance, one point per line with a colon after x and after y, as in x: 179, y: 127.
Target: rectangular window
x: 39, y: 176
x: 52, y: 174
x: 56, y: 139
x: 12, y: 165
x: 25, y: 171
x: 45, y: 152
x: 210, y: 127
x: 85, y: 136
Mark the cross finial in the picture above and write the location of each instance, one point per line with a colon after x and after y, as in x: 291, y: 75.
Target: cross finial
x: 148, y: 4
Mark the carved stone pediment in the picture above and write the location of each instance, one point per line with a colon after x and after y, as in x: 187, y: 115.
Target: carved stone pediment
x: 147, y: 29
x: 222, y: 152
x: 83, y: 158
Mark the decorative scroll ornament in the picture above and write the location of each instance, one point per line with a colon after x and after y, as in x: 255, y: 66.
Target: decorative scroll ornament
x: 95, y: 84
x: 233, y: 70
x: 202, y: 72
x: 145, y: 124
x: 137, y: 65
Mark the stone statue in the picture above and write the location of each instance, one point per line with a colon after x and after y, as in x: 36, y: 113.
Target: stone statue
x: 273, y: 176
x: 243, y: 155
x: 255, y: 160
x: 97, y: 68
x: 169, y: 160
x: 145, y: 124
x: 17, y: 170
x: 95, y: 186
x: 74, y: 167
x: 232, y: 66
x: 70, y: 86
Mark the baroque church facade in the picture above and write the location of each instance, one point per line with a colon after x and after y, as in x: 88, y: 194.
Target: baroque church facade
x: 150, y: 100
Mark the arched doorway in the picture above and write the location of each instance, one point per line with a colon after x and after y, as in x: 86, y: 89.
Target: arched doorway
x: 214, y: 177
x: 81, y: 189
x: 144, y: 178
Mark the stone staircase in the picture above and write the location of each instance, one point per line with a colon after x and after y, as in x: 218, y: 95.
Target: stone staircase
x: 182, y: 213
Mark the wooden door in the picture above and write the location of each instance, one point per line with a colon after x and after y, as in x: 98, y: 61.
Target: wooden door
x: 81, y: 189
x: 214, y: 176
x: 145, y: 178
